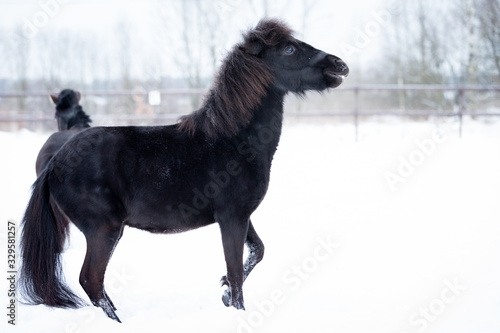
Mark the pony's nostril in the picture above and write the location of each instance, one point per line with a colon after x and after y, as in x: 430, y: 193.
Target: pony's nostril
x: 342, y: 67
x: 338, y: 65
x: 333, y: 59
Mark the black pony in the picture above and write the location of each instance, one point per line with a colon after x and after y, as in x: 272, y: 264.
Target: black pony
x: 71, y: 119
x: 212, y: 166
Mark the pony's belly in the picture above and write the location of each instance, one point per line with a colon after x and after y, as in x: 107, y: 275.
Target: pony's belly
x: 172, y: 221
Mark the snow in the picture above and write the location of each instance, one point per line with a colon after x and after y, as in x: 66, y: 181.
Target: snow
x: 346, y: 251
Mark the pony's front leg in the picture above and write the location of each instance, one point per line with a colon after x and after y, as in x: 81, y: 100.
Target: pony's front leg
x: 255, y: 255
x: 234, y: 234
x: 256, y: 251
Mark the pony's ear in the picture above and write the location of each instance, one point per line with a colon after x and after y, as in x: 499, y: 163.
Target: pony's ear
x: 252, y: 45
x: 53, y: 98
x: 79, y: 96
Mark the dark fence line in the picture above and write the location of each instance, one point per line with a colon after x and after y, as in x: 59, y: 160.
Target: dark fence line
x: 364, y: 87
x: 459, y: 109
x: 133, y: 92
x: 460, y: 89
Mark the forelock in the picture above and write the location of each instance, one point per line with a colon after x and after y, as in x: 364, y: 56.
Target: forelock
x: 271, y: 32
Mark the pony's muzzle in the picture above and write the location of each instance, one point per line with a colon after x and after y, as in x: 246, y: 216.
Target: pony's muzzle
x: 337, y: 66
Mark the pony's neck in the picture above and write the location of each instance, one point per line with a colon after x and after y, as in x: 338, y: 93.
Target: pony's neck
x: 269, y: 114
x: 261, y: 136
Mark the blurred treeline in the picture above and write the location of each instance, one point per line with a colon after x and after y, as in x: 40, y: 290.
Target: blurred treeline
x: 180, y: 44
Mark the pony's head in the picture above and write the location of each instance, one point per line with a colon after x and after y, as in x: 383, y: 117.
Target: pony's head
x: 68, y: 110
x: 295, y: 65
x: 269, y: 57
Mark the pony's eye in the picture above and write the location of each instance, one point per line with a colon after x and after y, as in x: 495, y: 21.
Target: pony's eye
x: 289, y: 50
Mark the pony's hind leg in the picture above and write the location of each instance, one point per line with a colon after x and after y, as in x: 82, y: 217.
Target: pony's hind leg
x: 100, y: 246
x: 255, y: 255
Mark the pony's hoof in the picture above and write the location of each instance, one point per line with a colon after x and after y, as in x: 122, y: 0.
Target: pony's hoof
x: 226, y: 298
x: 111, y: 314
x: 108, y: 309
x: 223, y: 281
x: 109, y: 301
x: 228, y: 301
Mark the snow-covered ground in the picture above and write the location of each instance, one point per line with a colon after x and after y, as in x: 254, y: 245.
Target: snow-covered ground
x: 398, y: 232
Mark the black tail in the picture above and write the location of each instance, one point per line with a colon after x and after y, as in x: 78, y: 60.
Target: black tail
x: 42, y: 240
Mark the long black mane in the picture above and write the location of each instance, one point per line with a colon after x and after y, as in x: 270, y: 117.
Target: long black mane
x: 225, y: 109
x: 80, y: 118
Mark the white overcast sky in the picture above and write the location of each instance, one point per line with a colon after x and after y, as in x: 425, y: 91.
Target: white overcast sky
x: 334, y: 26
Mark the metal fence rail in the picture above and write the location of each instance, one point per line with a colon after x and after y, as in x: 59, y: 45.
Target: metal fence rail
x: 460, y: 90
x: 459, y: 109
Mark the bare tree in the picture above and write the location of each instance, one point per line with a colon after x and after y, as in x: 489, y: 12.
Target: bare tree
x: 199, y: 34
x: 438, y: 42
x: 123, y: 32
x: 307, y: 7
x: 488, y: 12
x: 19, y: 59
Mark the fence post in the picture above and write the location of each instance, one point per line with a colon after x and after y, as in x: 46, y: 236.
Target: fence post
x: 461, y: 109
x: 356, y: 111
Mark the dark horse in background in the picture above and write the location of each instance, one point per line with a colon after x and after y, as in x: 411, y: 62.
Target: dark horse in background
x: 211, y: 167
x: 71, y: 119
